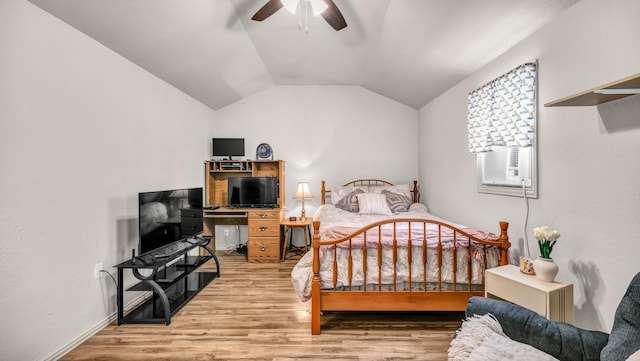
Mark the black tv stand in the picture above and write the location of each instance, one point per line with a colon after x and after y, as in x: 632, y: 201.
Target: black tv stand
x: 173, y: 280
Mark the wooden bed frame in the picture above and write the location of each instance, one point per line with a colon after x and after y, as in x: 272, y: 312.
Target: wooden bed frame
x: 395, y: 300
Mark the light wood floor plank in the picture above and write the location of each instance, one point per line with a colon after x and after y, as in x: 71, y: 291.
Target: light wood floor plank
x: 252, y: 313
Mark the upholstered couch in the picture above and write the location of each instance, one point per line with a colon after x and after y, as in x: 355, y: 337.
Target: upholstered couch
x: 556, y: 339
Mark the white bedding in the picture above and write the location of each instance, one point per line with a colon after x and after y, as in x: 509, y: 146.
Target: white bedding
x: 336, y: 223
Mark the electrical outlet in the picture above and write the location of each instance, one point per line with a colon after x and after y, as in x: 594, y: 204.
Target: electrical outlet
x: 226, y: 232
x: 96, y: 270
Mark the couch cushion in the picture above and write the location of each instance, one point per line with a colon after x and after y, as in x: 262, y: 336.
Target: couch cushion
x: 481, y: 338
x: 558, y: 339
x: 635, y: 356
x: 624, y: 339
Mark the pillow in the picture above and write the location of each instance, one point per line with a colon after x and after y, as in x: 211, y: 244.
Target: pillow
x: 349, y: 202
x: 624, y: 338
x: 401, y: 189
x: 397, y: 202
x: 418, y: 207
x: 373, y: 203
x: 337, y: 193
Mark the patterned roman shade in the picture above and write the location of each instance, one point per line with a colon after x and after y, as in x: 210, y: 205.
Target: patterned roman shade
x: 503, y: 111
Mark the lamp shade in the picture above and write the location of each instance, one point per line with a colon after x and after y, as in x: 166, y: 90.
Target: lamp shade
x: 303, y: 191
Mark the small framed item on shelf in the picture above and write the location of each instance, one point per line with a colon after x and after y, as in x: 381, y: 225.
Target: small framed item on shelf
x: 293, y: 219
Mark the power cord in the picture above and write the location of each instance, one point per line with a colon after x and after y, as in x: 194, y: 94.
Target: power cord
x: 233, y: 248
x: 242, y: 247
x: 114, y: 282
x: 110, y: 275
x: 526, y: 219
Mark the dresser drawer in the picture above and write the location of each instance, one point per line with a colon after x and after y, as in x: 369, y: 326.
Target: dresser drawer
x: 264, y: 228
x: 263, y: 249
x: 265, y: 214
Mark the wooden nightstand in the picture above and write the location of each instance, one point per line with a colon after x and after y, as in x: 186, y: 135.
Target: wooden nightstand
x: 289, y: 226
x: 552, y: 300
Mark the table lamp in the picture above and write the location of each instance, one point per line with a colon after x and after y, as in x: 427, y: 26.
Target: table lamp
x: 301, y: 193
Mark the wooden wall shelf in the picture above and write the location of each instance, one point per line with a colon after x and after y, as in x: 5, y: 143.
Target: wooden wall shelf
x: 591, y: 97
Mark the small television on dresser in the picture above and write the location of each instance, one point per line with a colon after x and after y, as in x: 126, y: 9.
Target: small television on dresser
x: 252, y: 192
x: 227, y: 147
x: 167, y: 216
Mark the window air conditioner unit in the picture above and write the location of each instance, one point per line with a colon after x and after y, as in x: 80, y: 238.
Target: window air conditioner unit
x: 507, y: 166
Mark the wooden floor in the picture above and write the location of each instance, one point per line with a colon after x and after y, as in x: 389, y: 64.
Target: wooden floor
x: 252, y: 313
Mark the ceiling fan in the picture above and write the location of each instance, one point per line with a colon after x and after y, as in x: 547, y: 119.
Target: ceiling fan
x: 326, y: 8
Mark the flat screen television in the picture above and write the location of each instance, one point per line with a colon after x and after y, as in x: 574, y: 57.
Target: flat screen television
x: 227, y: 147
x: 252, y: 192
x: 167, y: 216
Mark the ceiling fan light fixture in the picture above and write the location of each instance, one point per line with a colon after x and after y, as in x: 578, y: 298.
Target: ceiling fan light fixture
x: 318, y: 6
x: 326, y: 8
x: 290, y: 5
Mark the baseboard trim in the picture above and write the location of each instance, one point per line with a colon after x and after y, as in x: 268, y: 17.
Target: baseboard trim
x: 95, y: 329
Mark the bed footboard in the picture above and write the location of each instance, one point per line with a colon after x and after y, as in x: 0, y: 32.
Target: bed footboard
x: 402, y: 265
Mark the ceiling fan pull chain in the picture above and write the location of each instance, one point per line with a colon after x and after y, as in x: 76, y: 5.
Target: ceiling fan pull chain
x: 306, y: 17
x: 299, y: 15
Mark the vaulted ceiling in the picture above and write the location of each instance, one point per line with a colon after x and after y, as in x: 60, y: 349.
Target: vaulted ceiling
x: 407, y: 50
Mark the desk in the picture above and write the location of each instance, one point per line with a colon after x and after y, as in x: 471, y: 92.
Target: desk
x: 263, y: 244
x: 289, y: 226
x: 552, y: 300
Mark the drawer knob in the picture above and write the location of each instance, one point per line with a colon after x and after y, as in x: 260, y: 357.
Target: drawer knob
x: 263, y: 248
x: 263, y: 215
x: 263, y: 228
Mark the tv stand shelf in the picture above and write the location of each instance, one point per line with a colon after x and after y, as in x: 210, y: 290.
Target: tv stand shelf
x: 171, y: 275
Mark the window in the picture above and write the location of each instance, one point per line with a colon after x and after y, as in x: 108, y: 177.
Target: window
x: 502, y: 122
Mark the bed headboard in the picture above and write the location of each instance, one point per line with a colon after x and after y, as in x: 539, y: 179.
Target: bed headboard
x: 368, y: 183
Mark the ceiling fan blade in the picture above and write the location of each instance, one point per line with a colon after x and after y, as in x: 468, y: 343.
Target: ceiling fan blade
x: 333, y: 16
x: 267, y: 10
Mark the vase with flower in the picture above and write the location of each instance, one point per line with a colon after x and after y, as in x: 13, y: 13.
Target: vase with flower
x: 546, y: 269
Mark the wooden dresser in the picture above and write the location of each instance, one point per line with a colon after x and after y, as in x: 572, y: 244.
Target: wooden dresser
x: 264, y: 235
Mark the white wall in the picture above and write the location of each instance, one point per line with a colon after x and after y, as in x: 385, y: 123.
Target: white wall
x: 588, y: 156
x: 82, y: 131
x: 331, y: 133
